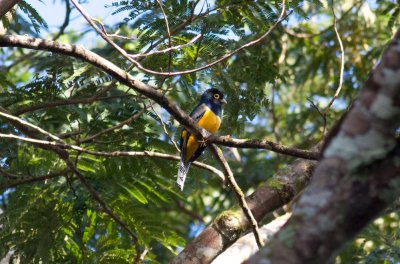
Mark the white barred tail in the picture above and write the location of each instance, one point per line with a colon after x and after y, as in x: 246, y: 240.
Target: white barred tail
x: 183, y: 170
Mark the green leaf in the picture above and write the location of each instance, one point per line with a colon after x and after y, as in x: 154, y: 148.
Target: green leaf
x: 136, y: 193
x: 33, y: 15
x: 85, y: 166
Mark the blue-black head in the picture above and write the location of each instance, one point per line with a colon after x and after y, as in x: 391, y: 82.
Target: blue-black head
x: 214, y: 99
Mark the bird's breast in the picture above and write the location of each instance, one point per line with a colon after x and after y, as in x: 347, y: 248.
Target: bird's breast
x: 210, y: 121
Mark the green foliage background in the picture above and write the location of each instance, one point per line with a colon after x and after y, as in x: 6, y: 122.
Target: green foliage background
x: 269, y: 89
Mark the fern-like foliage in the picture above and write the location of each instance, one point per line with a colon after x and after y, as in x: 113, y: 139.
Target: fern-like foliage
x: 35, y: 18
x: 268, y: 86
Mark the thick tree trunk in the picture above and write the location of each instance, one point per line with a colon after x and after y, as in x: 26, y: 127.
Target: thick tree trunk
x: 356, y: 179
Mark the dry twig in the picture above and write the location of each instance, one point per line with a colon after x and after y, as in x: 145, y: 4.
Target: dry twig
x: 339, y: 88
x: 150, y: 92
x: 151, y: 154
x: 165, y: 130
x: 86, y: 15
x: 230, y: 179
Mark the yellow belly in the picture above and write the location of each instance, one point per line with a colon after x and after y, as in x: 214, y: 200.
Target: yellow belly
x: 210, y: 122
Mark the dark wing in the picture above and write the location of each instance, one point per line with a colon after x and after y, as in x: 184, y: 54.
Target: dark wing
x: 198, y: 112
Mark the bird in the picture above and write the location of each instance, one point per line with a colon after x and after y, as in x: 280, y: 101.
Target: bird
x: 208, y: 115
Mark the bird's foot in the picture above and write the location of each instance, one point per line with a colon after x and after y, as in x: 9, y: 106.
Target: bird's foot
x: 203, y: 141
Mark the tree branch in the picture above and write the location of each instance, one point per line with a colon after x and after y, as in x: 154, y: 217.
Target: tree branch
x: 323, y: 31
x: 15, y: 180
x: 167, y: 49
x: 62, y: 102
x: 150, y: 92
x: 31, y: 130
x: 189, y: 212
x: 282, y: 17
x: 66, y: 20
x: 125, y: 122
x: 151, y: 154
x: 6, y: 5
x: 27, y: 124
x: 339, y: 88
x: 263, y: 144
x: 103, y: 204
x: 230, y: 179
x: 165, y: 130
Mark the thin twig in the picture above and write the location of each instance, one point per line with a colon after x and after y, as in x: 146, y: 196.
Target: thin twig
x: 192, y: 18
x: 11, y: 176
x: 167, y: 49
x: 169, y: 41
x: 66, y: 21
x: 113, y: 128
x: 281, y: 59
x: 165, y: 130
x: 8, y: 175
x: 238, y: 192
x: 311, y: 35
x: 26, y: 127
x: 115, y: 35
x: 223, y: 58
x: 31, y: 55
x: 275, y: 128
x: 97, y: 197
x: 86, y: 15
x: 25, y: 123
x: 150, y: 92
x: 20, y: 179
x: 69, y: 101
x: 338, y: 89
x: 166, y: 22
x: 323, y: 115
x: 151, y: 154
x: 189, y: 212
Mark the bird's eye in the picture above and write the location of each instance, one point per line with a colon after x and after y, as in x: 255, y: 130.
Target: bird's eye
x: 216, y: 96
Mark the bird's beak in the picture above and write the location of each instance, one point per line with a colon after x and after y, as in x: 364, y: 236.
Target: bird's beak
x: 223, y: 101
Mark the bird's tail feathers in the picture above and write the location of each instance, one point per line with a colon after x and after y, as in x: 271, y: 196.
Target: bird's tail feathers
x: 183, y: 170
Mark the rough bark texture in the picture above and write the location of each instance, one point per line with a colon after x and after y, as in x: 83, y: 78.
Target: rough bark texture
x: 228, y: 226
x: 356, y: 178
x: 6, y: 5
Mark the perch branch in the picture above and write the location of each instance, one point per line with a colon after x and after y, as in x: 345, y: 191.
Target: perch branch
x: 150, y: 92
x: 151, y: 154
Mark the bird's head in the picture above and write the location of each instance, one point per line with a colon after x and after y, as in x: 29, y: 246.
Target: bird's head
x: 214, y: 97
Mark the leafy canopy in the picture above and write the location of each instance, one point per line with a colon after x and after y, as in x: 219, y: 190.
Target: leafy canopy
x: 274, y: 90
